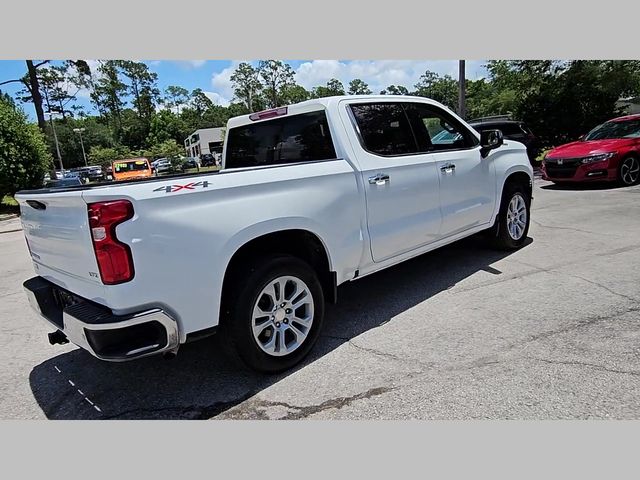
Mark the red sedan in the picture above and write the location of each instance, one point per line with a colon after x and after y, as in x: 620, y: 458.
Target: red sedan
x: 609, y: 152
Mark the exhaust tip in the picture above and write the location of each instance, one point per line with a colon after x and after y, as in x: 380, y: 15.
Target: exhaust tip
x: 58, y: 338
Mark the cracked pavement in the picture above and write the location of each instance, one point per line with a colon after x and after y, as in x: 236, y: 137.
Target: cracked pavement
x: 551, y: 331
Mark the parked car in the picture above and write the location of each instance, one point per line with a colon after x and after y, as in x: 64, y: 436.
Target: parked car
x: 325, y: 192
x: 189, y: 163
x: 63, y: 182
x: 207, y: 160
x: 512, y: 130
x: 131, y: 169
x: 163, y: 165
x: 609, y: 152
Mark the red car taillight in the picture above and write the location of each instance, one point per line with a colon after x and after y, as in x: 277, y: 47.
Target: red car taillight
x: 114, y: 257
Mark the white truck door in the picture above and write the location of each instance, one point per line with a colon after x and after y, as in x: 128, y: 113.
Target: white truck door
x: 401, y: 184
x: 467, y: 181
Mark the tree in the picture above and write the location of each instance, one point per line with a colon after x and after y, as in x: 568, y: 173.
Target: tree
x: 332, y: 88
x: 142, y: 86
x: 200, y: 102
x: 441, y: 89
x: 24, y: 155
x: 166, y: 125
x: 294, y: 94
x: 276, y: 76
x: 358, y: 87
x: 176, y: 97
x: 32, y: 83
x: 168, y: 149
x: 104, y: 156
x: 395, y: 90
x: 109, y: 91
x: 246, y: 84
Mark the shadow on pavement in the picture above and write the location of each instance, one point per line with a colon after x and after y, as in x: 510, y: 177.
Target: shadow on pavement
x: 201, y: 382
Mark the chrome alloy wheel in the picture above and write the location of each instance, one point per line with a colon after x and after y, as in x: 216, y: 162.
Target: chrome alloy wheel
x: 516, y: 217
x: 282, y: 316
x: 629, y: 170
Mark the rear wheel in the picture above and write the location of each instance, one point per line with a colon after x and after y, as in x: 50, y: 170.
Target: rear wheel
x: 512, y: 224
x: 277, y: 314
x: 629, y: 171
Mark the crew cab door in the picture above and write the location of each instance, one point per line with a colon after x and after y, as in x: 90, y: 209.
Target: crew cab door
x: 467, y: 181
x: 401, y: 184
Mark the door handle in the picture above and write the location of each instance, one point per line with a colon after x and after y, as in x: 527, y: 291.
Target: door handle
x: 448, y: 168
x: 379, y: 179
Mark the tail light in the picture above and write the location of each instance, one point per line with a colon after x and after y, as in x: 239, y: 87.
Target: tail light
x: 114, y: 257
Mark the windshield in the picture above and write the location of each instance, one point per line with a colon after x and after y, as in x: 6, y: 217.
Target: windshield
x: 132, y: 166
x: 627, y: 129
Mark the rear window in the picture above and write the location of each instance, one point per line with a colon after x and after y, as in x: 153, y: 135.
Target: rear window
x: 292, y: 139
x: 121, y: 167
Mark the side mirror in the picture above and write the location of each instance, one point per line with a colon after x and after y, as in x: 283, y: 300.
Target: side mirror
x: 490, y: 139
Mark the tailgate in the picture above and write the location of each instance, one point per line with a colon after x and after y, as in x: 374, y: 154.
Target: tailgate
x: 56, y: 226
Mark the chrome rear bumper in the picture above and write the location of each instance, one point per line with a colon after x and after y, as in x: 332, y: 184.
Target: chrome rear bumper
x: 95, y: 328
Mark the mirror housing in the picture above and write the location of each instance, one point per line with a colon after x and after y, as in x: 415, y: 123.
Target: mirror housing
x: 490, y: 139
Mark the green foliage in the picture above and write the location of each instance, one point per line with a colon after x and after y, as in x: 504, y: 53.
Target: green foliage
x: 294, y: 94
x: 176, y: 97
x: 441, y: 89
x: 276, y: 76
x: 395, y: 90
x: 105, y: 155
x: 166, y: 125
x: 358, y: 87
x: 24, y: 156
x: 168, y: 149
x: 333, y: 87
x: 246, y: 84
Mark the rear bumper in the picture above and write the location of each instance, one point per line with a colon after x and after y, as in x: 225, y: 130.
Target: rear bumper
x: 95, y: 328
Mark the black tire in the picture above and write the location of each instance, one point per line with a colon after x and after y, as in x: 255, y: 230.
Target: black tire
x: 238, y: 329
x: 624, y: 181
x: 501, y: 239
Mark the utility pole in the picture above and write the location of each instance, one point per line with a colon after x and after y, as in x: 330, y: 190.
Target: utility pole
x: 84, y: 155
x: 462, y: 108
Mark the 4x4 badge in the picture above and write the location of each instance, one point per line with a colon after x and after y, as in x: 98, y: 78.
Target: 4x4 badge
x: 188, y: 186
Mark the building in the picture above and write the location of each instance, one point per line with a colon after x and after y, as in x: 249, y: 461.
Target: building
x: 205, y: 140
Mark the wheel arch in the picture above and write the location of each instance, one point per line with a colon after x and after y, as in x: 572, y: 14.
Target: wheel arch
x: 301, y: 243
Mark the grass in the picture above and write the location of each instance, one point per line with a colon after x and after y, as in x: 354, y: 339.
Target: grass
x: 9, y: 205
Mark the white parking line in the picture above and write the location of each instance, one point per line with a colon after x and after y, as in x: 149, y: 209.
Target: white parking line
x: 80, y: 391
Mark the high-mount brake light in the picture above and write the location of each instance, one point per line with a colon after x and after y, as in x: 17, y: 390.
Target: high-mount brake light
x: 276, y: 112
x: 114, y: 257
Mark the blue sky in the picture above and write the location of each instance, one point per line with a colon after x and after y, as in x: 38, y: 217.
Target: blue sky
x: 212, y: 76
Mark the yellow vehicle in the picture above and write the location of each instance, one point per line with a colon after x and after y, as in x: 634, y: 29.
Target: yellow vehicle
x: 133, y: 168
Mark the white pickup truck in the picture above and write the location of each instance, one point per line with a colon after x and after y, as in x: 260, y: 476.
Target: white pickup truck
x: 310, y: 196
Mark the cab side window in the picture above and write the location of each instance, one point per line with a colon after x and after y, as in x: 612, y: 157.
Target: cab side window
x: 384, y: 128
x: 436, y: 130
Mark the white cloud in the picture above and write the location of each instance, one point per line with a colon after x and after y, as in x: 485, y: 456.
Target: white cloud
x: 221, y: 81
x: 217, y: 99
x: 379, y: 74
x: 189, y: 64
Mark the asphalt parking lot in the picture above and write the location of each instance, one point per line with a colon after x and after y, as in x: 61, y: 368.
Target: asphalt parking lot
x: 551, y: 331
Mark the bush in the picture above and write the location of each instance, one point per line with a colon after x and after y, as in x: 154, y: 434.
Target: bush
x: 24, y: 154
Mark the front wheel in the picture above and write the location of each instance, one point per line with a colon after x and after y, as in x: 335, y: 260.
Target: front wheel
x: 629, y: 171
x: 277, y: 314
x: 512, y: 224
